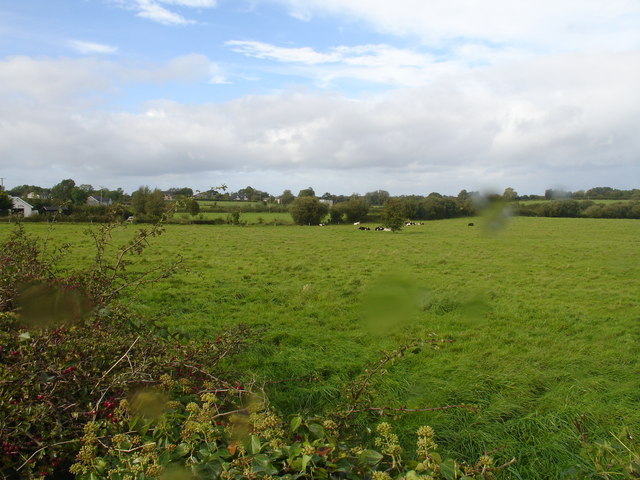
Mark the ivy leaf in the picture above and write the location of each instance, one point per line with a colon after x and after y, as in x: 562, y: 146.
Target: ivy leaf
x: 316, y: 430
x: 305, y: 461
x: 262, y: 464
x: 295, y: 423
x: 370, y: 457
x: 255, y: 444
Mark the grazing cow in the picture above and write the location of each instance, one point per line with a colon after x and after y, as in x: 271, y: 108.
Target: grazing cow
x: 470, y: 224
x: 364, y: 228
x: 386, y: 229
x: 379, y: 229
x: 321, y: 224
x: 357, y: 223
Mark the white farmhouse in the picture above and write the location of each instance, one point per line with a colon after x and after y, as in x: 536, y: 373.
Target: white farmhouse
x: 20, y: 206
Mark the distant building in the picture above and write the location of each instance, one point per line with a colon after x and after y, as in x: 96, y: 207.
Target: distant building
x: 20, y: 206
x: 95, y: 202
x: 328, y: 202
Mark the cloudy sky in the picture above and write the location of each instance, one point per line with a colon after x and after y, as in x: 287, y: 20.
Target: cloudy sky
x: 411, y: 96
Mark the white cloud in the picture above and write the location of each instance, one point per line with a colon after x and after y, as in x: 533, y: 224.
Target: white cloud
x: 153, y: 11
x: 47, y: 80
x: 372, y: 63
x: 554, y: 25
x: 91, y: 47
x: 191, y: 3
x: 304, y: 55
x: 156, y: 11
x: 540, y: 122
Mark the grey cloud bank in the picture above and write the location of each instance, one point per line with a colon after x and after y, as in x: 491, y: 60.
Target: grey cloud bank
x: 567, y: 120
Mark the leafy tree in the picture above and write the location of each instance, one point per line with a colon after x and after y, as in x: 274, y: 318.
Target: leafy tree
x: 62, y: 191
x: 307, y: 192
x: 394, y: 214
x: 139, y: 200
x: 378, y: 197
x: 509, y: 194
x: 147, y: 202
x: 193, y: 207
x: 355, y: 209
x: 79, y: 196
x: 336, y: 213
x: 287, y: 197
x: 307, y: 210
x: 181, y: 192
x: 5, y: 202
x: 117, y: 195
x: 87, y: 188
x: 155, y: 204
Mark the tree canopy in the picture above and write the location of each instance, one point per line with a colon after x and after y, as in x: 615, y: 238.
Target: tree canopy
x: 308, y: 210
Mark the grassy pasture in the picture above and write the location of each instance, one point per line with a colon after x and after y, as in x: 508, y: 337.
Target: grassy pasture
x: 252, y: 218
x: 544, y: 316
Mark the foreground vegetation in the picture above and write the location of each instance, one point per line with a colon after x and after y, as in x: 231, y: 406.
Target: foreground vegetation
x: 536, y: 325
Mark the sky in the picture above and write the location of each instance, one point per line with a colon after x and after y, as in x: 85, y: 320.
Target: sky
x: 344, y: 96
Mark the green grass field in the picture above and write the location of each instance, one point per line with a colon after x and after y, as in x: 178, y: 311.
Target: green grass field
x: 252, y: 218
x: 544, y: 317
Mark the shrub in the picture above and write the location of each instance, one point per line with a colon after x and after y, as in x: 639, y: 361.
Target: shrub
x: 308, y: 210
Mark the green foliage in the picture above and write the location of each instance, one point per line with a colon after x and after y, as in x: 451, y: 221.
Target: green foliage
x: 227, y: 433
x: 193, y: 207
x: 394, y: 214
x: 5, y: 202
x: 580, y: 208
x: 307, y: 192
x: 533, y: 349
x: 355, y: 209
x: 287, y: 197
x: 307, y: 210
x: 69, y: 354
x: 149, y: 203
x: 62, y: 191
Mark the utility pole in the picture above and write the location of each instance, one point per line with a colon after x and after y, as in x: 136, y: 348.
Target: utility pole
x: 1, y: 184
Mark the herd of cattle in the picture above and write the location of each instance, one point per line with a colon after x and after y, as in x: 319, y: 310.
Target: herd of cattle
x: 385, y: 229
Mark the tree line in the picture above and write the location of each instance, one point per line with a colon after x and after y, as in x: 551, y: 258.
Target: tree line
x: 308, y: 208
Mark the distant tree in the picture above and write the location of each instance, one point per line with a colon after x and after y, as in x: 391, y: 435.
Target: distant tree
x: 139, y: 200
x: 181, y: 192
x: 355, y: 209
x: 377, y: 197
x: 327, y: 196
x: 287, y: 197
x: 307, y: 192
x: 147, y: 202
x: 509, y: 194
x: 155, y: 204
x: 79, y: 196
x: 193, y: 207
x: 5, y: 202
x: 463, y: 195
x: 87, y: 188
x: 62, y: 191
x: 307, y: 210
x: 394, y: 214
x: 117, y: 195
x: 336, y: 213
